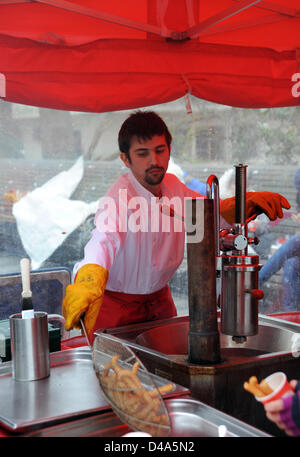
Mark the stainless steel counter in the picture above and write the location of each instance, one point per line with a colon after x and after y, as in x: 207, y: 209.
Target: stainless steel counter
x: 71, y: 391
x: 70, y: 403
x: 188, y: 417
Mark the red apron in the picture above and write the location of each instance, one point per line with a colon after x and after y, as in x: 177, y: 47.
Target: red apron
x: 120, y: 309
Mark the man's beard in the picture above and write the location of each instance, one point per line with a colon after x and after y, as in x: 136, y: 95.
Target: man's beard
x: 154, y: 179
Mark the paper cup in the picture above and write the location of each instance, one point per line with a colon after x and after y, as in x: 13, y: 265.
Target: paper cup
x: 280, y: 385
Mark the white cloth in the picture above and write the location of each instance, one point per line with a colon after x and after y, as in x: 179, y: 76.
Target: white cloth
x: 139, y: 262
x: 47, y: 215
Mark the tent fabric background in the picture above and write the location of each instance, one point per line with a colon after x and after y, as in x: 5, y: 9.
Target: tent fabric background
x: 54, y: 58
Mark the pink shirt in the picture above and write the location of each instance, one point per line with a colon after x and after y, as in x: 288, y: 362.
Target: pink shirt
x: 140, y: 257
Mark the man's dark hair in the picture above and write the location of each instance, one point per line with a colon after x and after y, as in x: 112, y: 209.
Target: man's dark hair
x: 144, y: 125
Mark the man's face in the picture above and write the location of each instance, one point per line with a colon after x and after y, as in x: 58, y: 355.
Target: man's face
x: 149, y: 161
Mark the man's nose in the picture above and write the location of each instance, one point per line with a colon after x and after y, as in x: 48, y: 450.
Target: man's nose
x: 154, y: 158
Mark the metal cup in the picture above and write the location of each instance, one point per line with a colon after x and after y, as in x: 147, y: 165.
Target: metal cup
x: 30, y: 347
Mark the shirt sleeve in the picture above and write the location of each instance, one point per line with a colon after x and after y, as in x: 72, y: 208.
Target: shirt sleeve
x: 290, y: 414
x: 106, y: 238
x: 296, y: 406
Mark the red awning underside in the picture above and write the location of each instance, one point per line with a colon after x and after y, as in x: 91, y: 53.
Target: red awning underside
x: 127, y: 54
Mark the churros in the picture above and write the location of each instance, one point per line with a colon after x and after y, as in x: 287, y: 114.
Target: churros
x: 142, y: 408
x: 258, y: 389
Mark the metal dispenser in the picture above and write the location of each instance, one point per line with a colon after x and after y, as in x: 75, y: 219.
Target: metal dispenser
x: 239, y: 271
x: 233, y: 268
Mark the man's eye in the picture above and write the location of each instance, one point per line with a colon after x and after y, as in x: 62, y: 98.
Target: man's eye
x: 160, y: 150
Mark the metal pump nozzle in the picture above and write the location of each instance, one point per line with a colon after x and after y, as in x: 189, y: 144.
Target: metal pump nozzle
x: 240, y: 293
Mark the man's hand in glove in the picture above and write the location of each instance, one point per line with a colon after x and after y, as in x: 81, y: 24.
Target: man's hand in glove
x: 269, y: 203
x: 85, y: 296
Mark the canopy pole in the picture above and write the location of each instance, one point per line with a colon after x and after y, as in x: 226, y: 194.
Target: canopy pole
x: 224, y: 28
x: 281, y: 9
x: 221, y: 16
x: 86, y: 11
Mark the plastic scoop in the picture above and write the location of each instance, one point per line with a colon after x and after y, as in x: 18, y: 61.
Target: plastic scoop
x: 129, y: 388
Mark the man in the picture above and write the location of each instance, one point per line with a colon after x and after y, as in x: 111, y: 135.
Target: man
x: 130, y: 257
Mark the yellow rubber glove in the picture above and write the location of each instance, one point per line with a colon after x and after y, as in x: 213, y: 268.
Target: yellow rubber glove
x: 269, y: 203
x: 85, y: 296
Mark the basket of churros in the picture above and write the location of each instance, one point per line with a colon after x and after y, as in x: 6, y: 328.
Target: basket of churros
x: 269, y: 389
x: 129, y: 388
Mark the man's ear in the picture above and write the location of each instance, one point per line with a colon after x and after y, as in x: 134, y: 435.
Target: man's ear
x: 124, y: 159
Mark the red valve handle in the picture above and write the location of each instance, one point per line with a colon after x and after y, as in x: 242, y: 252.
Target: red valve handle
x: 253, y: 240
x: 256, y: 293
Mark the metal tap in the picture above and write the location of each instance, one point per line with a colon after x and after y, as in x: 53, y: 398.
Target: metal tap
x: 239, y: 271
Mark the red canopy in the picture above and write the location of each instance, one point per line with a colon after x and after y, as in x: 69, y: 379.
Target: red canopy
x: 98, y: 56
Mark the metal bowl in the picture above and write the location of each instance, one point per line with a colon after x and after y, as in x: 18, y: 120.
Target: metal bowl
x: 191, y: 418
x: 172, y: 338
